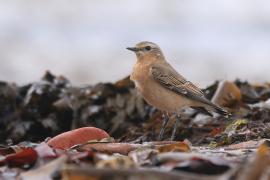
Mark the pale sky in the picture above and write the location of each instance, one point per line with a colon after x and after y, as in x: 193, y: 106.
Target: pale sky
x: 85, y: 40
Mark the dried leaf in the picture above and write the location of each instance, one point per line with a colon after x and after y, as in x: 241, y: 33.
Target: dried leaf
x: 174, y: 147
x: 25, y: 158
x: 121, y: 148
x: 77, y: 136
x: 257, y: 168
x: 246, y: 145
x: 143, y: 156
x: 116, y: 163
x: 45, y: 172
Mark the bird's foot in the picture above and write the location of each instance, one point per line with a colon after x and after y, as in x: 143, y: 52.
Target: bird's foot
x: 165, y: 118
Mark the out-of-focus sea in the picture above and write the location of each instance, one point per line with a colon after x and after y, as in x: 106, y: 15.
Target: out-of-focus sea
x: 85, y: 40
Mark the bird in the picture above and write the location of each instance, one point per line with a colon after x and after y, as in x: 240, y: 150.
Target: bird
x: 164, y: 88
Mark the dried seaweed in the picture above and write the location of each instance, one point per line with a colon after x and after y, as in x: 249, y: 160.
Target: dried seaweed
x: 43, y: 109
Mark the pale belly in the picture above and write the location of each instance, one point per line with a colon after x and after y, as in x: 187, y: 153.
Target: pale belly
x: 162, y: 98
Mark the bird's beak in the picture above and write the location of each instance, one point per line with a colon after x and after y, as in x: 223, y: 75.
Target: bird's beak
x: 134, y: 49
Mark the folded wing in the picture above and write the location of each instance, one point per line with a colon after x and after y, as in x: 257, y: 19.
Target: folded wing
x: 172, y: 80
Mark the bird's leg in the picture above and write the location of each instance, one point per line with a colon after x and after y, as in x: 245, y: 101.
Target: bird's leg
x: 175, y: 128
x: 165, y: 118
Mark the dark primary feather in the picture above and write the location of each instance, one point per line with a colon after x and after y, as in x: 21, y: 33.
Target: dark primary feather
x: 171, y: 79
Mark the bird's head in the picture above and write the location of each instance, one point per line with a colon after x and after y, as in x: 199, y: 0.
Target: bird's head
x: 147, y: 50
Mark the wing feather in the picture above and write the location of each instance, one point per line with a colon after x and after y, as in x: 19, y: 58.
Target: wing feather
x: 168, y: 76
x: 170, y: 79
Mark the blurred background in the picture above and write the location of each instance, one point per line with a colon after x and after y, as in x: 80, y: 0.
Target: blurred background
x: 85, y: 40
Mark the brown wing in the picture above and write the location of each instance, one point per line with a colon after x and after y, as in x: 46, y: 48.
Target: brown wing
x: 170, y: 79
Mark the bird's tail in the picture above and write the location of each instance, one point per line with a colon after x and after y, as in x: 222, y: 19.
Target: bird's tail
x: 218, y: 109
x: 221, y: 111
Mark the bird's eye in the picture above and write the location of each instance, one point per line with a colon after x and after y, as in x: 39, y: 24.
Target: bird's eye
x: 148, y: 48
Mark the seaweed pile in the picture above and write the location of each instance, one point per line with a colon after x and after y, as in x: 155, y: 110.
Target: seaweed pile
x: 52, y: 105
x: 32, y: 113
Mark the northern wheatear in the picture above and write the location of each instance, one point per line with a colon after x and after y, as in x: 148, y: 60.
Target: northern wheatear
x: 163, y: 87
